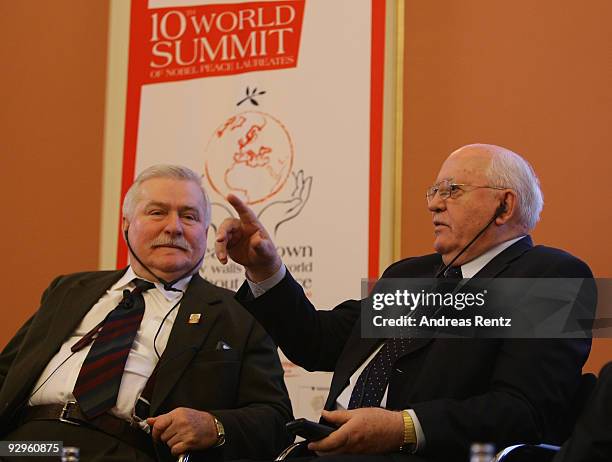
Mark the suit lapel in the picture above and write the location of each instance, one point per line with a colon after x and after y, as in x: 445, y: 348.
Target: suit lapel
x: 75, y: 305
x: 501, y: 261
x: 186, y: 339
x: 355, y: 352
x: 68, y: 311
x: 428, y: 269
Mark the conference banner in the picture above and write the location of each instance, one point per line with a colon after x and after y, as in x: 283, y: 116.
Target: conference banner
x: 279, y: 102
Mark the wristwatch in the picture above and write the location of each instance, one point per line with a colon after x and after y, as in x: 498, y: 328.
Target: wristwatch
x: 409, y: 443
x: 220, y: 433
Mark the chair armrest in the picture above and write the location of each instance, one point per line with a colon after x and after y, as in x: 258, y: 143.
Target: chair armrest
x: 527, y: 453
x: 298, y: 449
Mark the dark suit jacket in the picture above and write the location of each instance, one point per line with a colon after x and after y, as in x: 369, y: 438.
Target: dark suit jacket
x: 243, y: 387
x: 591, y: 440
x: 462, y: 390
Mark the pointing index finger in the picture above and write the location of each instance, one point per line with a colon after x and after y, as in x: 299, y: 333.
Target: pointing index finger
x: 244, y: 212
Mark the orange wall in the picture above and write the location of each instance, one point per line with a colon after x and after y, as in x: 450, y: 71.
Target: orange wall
x: 533, y: 76
x: 52, y: 85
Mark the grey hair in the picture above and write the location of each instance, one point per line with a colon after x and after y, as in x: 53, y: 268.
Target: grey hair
x: 509, y: 170
x: 177, y: 172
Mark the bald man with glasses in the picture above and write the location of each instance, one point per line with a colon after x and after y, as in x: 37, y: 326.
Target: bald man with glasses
x: 431, y: 397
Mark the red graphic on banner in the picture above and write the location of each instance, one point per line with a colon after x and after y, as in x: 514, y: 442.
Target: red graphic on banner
x: 251, y: 148
x: 211, y: 40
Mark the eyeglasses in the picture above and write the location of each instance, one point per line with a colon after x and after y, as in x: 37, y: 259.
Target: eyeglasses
x: 446, y: 188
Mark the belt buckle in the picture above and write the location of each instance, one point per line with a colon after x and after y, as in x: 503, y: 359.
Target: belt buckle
x: 64, y: 417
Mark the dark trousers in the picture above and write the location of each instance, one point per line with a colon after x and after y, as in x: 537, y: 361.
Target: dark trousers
x: 94, y: 445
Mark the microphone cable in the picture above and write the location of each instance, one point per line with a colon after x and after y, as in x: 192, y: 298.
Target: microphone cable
x: 167, y: 285
x: 72, y: 353
x: 498, y: 212
x: 162, y: 324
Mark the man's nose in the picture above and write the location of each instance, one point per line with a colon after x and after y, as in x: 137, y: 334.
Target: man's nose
x: 174, y: 226
x: 436, y: 204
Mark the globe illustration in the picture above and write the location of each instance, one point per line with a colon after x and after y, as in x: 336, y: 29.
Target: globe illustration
x: 249, y: 155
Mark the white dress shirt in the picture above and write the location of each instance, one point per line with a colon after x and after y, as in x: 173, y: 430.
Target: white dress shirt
x: 56, y: 387
x: 468, y: 270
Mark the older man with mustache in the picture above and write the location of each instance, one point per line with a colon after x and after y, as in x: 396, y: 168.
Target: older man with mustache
x: 150, y: 361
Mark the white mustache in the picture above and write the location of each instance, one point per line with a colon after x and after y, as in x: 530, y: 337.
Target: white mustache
x: 163, y: 240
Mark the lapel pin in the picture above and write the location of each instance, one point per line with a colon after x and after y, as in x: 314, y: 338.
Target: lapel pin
x: 194, y: 318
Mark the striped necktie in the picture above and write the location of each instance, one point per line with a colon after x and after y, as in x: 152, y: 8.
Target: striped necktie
x: 97, y: 385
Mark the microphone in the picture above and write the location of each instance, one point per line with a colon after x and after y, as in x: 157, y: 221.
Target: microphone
x: 500, y: 210
x: 167, y: 285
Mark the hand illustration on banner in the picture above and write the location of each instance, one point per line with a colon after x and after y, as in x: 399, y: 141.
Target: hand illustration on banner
x: 275, y: 213
x: 281, y: 211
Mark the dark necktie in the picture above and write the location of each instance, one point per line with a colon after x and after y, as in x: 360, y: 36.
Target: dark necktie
x: 454, y: 272
x: 448, y: 281
x: 373, y: 380
x: 97, y: 385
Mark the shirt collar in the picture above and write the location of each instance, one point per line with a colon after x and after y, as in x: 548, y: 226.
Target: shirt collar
x: 471, y: 268
x: 130, y: 275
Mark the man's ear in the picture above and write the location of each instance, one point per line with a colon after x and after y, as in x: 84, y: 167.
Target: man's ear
x: 508, y: 202
x: 125, y: 225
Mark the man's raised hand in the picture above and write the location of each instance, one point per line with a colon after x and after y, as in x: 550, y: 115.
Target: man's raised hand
x: 246, y: 241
